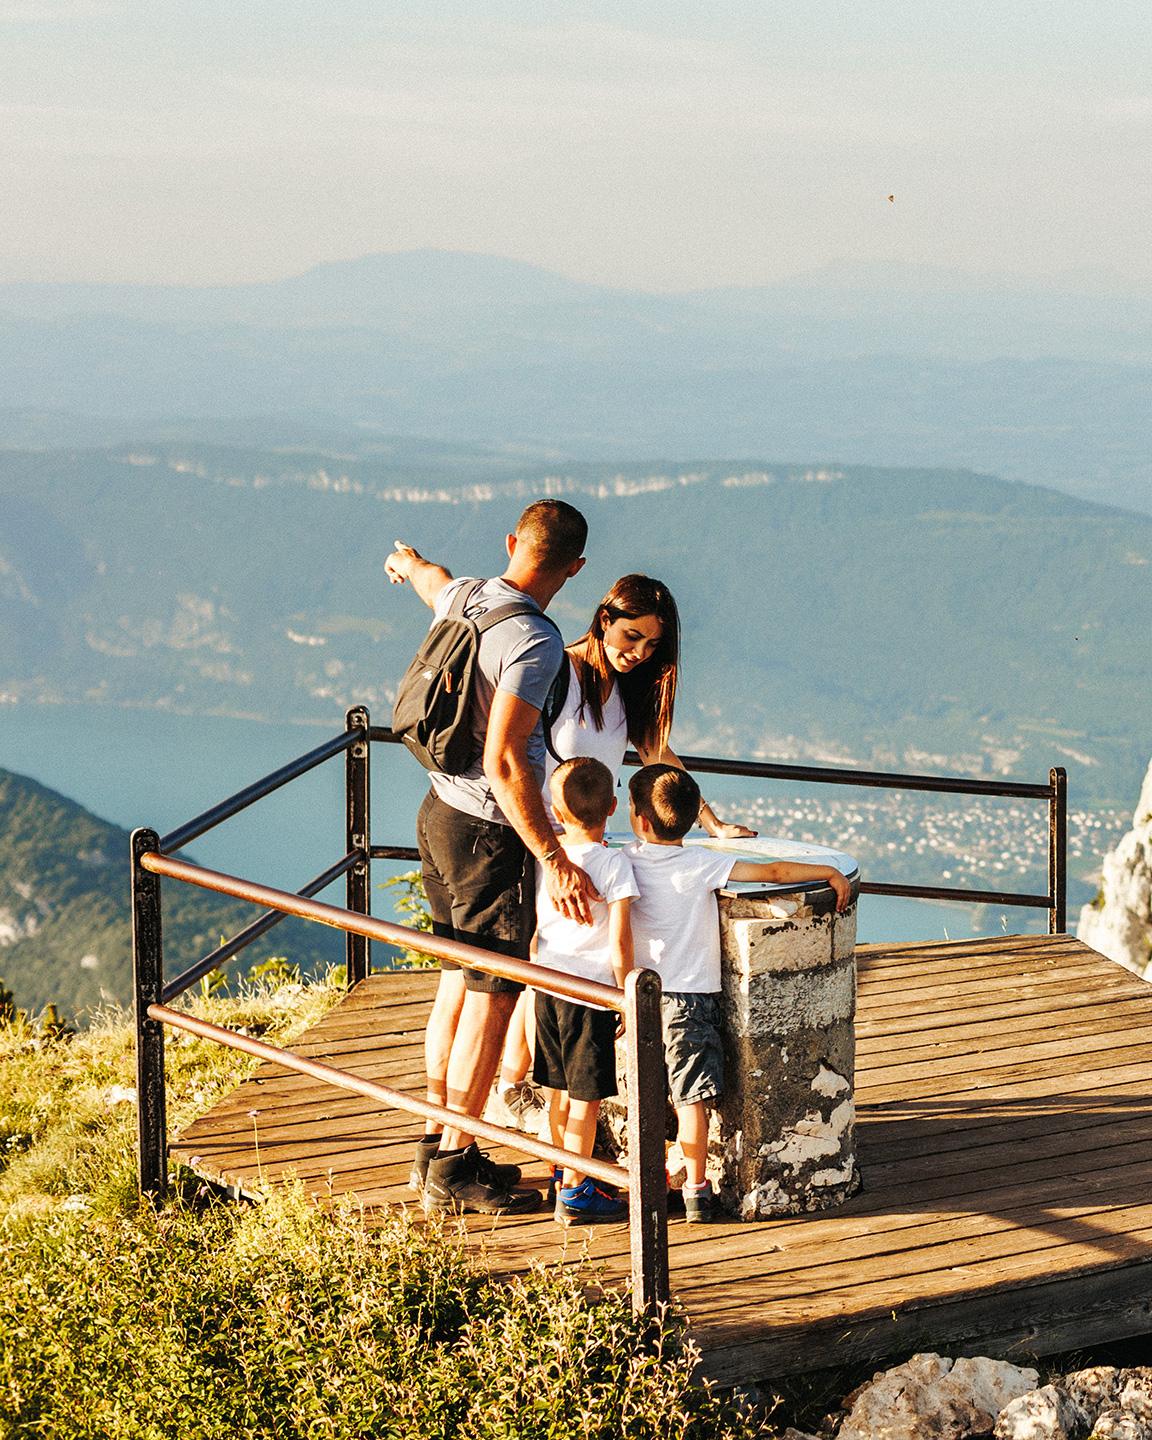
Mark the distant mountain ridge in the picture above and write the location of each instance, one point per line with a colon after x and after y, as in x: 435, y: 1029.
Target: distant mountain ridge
x: 65, y: 933
x: 891, y: 368
x: 899, y: 619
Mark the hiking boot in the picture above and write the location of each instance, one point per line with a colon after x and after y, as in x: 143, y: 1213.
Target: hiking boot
x: 589, y: 1204
x: 702, y: 1208
x: 464, y: 1183
x: 426, y: 1148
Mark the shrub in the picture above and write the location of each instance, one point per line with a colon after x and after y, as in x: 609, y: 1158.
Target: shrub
x: 211, y: 1321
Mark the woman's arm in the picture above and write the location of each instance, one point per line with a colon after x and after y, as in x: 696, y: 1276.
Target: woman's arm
x: 717, y: 828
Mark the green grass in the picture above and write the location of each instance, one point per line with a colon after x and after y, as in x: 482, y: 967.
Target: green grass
x: 208, y: 1319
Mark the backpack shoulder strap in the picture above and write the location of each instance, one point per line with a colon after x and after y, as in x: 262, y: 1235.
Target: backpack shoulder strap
x: 461, y: 600
x: 553, y: 705
x: 509, y: 612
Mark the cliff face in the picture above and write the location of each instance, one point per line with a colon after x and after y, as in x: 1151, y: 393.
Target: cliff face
x: 1119, y: 922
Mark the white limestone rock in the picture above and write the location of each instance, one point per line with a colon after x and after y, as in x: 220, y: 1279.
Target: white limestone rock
x: 1093, y: 1388
x: 1114, y: 1423
x: 931, y: 1397
x: 1049, y: 1413
x: 1120, y: 925
x: 1134, y: 1395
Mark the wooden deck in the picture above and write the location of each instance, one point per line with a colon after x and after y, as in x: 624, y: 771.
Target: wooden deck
x: 1004, y: 1092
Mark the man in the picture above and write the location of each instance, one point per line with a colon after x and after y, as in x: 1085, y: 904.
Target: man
x: 480, y: 835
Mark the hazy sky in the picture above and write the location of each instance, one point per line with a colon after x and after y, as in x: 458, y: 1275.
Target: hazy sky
x: 660, y: 145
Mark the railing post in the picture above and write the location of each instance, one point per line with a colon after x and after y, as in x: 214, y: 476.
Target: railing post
x: 148, y: 985
x: 1058, y: 852
x: 647, y: 1177
x: 357, y: 948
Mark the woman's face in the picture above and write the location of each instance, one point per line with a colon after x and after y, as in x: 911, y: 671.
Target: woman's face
x: 628, y: 642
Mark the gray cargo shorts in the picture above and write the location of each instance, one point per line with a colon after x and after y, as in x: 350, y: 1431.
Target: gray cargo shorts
x: 693, y: 1049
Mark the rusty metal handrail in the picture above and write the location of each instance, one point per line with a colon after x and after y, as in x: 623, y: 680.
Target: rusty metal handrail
x: 384, y: 1094
x: 638, y: 1002
x: 223, y: 953
x: 569, y: 987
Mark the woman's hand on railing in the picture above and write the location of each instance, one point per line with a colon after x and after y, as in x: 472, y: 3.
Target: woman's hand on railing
x: 722, y: 830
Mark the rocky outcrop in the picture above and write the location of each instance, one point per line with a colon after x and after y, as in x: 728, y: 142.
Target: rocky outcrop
x: 932, y: 1397
x: 1118, y: 922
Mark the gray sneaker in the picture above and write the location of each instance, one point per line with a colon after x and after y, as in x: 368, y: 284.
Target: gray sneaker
x: 523, y: 1098
x: 466, y: 1183
x: 428, y: 1145
x: 703, y: 1209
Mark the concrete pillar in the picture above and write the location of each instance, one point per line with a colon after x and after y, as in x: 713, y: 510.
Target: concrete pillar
x: 783, y: 1138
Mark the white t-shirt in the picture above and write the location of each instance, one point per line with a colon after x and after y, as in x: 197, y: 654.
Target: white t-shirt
x: 584, y: 950
x: 574, y: 733
x: 676, y: 920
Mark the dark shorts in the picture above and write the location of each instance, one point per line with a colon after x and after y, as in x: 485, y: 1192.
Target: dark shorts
x: 575, y: 1048
x: 693, y: 1049
x: 481, y: 886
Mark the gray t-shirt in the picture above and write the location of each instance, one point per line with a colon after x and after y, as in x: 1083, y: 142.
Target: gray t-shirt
x: 519, y: 656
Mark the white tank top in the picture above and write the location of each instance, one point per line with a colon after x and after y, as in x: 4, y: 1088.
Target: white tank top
x: 575, y: 733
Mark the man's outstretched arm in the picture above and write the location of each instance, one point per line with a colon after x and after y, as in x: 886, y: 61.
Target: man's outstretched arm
x: 427, y: 579
x: 517, y: 792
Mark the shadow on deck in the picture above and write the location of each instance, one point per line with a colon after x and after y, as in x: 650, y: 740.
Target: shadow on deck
x: 1004, y: 1094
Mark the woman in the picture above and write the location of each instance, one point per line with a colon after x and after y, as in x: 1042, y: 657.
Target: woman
x: 622, y: 676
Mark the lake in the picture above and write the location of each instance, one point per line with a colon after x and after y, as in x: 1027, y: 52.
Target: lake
x: 150, y: 767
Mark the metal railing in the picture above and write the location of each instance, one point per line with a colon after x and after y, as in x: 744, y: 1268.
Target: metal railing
x: 1055, y: 794
x: 638, y: 1001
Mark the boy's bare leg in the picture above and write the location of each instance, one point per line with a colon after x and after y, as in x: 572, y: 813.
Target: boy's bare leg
x: 517, y: 1057
x: 693, y: 1137
x: 580, y: 1133
x: 475, y: 1057
x: 438, y: 1037
x: 557, y: 1116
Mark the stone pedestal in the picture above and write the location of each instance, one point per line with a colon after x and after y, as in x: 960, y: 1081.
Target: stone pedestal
x: 783, y: 1140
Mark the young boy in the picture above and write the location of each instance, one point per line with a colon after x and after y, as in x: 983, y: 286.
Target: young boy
x: 676, y: 925
x: 576, y: 1044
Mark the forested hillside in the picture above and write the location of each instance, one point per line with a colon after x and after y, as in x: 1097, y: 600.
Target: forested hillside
x: 65, y: 933
x: 913, y: 618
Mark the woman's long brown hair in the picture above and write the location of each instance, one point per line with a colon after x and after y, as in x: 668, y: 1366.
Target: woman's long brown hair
x: 649, y: 690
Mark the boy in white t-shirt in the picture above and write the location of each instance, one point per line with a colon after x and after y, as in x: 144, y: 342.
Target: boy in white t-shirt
x: 676, y: 930
x: 576, y: 1043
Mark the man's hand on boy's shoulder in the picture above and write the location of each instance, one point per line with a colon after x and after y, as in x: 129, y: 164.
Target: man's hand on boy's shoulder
x: 569, y: 888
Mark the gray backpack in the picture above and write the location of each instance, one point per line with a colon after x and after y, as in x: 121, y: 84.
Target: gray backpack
x: 433, y: 710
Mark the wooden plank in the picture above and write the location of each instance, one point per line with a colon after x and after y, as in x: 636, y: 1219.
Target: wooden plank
x: 1031, y: 1052
x: 1002, y: 1035
x: 1045, y: 1319
x: 871, y: 1028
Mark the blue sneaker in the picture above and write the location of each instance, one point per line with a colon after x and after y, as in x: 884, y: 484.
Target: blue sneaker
x: 589, y: 1204
x: 554, y: 1180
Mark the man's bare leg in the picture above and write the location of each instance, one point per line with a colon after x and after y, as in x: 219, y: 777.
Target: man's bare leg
x: 475, y: 1057
x: 438, y: 1038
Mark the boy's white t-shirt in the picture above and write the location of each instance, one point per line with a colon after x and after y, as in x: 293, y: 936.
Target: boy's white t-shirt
x: 584, y: 950
x: 676, y: 919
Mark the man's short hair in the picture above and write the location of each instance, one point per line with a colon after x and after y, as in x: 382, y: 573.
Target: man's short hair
x: 555, y: 531
x: 669, y: 799
x: 584, y: 786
